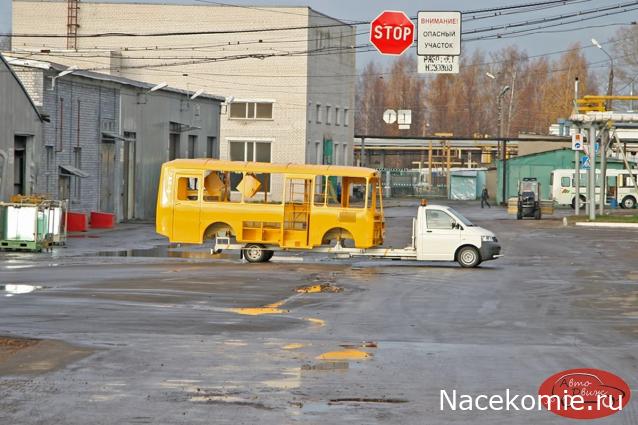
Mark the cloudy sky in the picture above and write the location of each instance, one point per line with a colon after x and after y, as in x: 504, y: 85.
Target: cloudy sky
x: 550, y: 39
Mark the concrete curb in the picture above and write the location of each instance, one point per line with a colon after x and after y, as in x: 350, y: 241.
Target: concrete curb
x: 617, y: 225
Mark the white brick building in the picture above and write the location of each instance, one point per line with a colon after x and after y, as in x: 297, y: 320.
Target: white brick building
x: 292, y: 88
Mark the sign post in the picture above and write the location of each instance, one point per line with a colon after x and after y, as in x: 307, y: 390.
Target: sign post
x: 438, y: 42
x: 392, y: 32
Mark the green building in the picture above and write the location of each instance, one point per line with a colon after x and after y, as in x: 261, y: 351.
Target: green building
x: 539, y: 165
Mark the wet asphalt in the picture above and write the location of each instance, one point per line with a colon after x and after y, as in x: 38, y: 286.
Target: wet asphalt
x: 163, y: 341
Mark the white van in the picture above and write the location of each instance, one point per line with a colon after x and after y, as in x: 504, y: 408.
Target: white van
x: 620, y: 186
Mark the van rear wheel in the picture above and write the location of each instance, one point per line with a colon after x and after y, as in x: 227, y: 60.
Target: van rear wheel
x: 255, y: 253
x: 468, y: 257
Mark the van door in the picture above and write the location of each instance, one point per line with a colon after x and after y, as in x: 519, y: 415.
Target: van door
x: 187, y: 199
x: 438, y: 238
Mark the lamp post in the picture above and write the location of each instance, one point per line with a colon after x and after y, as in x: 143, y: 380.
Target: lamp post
x: 502, y: 93
x: 610, y: 83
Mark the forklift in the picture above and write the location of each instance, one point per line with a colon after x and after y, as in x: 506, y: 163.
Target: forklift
x: 529, y: 198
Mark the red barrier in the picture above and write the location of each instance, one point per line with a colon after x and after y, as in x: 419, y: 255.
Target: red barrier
x: 76, y: 222
x: 102, y: 220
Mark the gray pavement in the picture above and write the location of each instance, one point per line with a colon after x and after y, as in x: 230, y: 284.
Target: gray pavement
x: 155, y: 339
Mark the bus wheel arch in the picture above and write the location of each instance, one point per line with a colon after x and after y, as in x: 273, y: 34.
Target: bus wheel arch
x: 628, y: 202
x: 218, y: 228
x: 337, y: 234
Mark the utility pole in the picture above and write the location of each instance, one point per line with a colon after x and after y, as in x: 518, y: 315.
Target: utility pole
x: 499, y: 100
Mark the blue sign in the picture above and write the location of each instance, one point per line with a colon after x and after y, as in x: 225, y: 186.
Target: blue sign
x: 584, y: 162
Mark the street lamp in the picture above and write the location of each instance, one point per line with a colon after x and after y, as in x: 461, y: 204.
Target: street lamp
x: 67, y: 71
x: 157, y: 87
x: 610, y: 84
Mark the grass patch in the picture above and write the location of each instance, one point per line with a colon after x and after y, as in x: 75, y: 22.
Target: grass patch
x: 605, y: 218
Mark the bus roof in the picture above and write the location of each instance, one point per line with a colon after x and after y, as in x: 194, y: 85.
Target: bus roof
x: 264, y: 167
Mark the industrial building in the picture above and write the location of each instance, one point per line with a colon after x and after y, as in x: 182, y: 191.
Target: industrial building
x: 539, y: 165
x: 20, y: 135
x: 108, y: 136
x: 288, y: 73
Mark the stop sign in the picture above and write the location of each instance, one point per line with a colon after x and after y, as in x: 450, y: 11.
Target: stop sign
x: 392, y: 32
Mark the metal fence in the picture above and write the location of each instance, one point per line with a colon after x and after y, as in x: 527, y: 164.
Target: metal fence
x: 399, y: 183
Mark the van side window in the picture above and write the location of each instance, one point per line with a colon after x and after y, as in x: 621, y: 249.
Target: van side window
x: 436, y: 219
x: 565, y: 182
x: 187, y: 189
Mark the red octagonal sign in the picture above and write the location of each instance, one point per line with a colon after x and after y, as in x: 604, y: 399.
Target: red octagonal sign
x: 392, y: 32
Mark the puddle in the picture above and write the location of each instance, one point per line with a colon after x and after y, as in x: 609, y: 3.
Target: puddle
x: 347, y: 354
x: 163, y: 251
x: 367, y: 400
x: 291, y: 380
x: 258, y: 311
x: 293, y: 346
x: 326, y: 366
x: 225, y: 399
x: 18, y: 289
x: 314, y: 289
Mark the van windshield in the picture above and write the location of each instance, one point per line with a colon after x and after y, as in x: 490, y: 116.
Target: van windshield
x: 461, y: 218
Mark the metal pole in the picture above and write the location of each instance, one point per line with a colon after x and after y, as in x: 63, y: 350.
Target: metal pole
x: 449, y: 161
x: 604, y: 138
x: 576, y: 159
x: 576, y: 181
x: 591, y: 186
x: 504, y: 144
x: 430, y: 172
x: 362, y: 160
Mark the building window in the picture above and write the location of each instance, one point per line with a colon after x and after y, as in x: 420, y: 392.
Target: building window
x: 346, y: 117
x: 318, y: 114
x: 250, y: 151
x: 50, y: 157
x: 211, y: 147
x: 337, y: 117
x: 345, y: 154
x: 309, y: 112
x: 251, y: 110
x: 328, y: 117
x: 319, y: 153
x: 192, y: 145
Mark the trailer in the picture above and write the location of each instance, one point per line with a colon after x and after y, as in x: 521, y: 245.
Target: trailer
x: 439, y: 233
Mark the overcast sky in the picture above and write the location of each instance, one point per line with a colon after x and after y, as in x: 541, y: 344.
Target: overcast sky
x: 364, y: 10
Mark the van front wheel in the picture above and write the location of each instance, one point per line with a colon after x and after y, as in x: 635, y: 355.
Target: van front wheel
x: 468, y: 257
x: 255, y: 253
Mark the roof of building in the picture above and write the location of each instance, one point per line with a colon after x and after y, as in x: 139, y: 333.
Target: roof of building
x: 552, y: 152
x: 24, y: 90
x: 256, y: 7
x: 262, y: 167
x: 45, y: 65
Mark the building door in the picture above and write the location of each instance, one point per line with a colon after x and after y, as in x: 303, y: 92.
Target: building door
x: 19, y: 164
x: 64, y: 187
x: 107, y: 175
x: 127, y: 195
